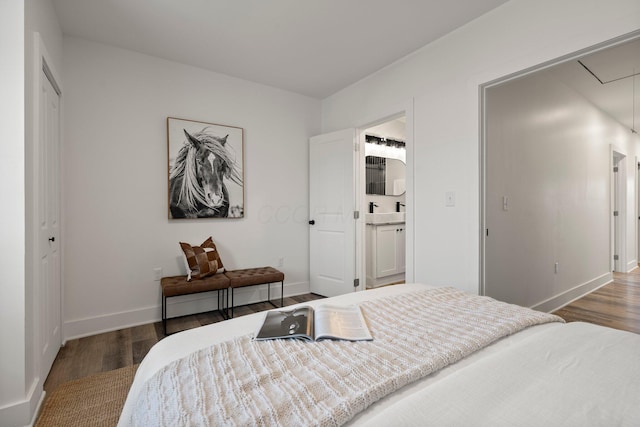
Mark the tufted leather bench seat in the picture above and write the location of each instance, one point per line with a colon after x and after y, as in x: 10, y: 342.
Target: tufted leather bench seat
x: 177, y: 285
x: 256, y: 276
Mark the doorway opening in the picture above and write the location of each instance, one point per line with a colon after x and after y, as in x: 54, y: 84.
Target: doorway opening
x: 338, y: 217
x: 537, y: 184
x: 384, y: 201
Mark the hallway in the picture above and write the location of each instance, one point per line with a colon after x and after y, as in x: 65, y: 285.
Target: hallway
x: 616, y: 304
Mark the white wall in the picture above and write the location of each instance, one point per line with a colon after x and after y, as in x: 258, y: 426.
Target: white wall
x: 115, y: 182
x: 20, y: 380
x: 549, y: 153
x: 12, y: 187
x: 443, y: 79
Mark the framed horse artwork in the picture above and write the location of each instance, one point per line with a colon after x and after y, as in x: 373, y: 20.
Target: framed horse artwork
x: 205, y: 170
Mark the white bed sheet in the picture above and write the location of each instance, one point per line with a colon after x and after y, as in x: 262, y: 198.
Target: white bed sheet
x: 577, y: 374
x: 396, y: 408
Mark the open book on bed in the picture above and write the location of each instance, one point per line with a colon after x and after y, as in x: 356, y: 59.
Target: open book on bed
x: 323, y: 322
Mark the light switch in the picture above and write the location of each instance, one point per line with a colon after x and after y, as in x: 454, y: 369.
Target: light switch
x: 450, y: 198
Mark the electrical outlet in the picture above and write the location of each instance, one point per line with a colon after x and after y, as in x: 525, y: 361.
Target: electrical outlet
x: 556, y: 267
x: 157, y: 274
x: 281, y: 262
x: 450, y: 199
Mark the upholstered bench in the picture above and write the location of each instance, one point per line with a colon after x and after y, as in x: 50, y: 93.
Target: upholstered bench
x: 256, y: 276
x: 178, y: 285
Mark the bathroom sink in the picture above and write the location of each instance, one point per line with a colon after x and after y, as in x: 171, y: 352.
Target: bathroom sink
x: 384, y: 218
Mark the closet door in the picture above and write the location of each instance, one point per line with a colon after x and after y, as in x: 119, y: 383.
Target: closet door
x: 49, y: 293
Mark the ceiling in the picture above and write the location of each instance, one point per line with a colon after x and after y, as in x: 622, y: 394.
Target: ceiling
x: 311, y: 47
x: 315, y: 48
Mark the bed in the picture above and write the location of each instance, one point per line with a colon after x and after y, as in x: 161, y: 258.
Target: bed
x: 490, y: 371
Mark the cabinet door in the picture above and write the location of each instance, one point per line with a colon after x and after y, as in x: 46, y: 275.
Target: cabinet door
x: 386, y: 257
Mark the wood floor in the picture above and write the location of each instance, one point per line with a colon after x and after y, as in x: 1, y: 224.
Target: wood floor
x: 616, y: 305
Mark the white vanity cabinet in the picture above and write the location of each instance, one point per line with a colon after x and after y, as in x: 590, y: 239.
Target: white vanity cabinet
x: 385, y: 253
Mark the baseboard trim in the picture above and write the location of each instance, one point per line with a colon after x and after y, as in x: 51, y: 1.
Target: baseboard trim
x: 177, y: 306
x: 384, y: 281
x: 38, y: 409
x: 88, y: 326
x: 554, y: 303
x: 24, y: 412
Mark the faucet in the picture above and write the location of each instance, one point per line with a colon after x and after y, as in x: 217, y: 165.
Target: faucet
x: 371, y: 206
x: 398, y: 204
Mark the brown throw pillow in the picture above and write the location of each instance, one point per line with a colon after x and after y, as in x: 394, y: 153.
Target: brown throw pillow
x: 203, y: 260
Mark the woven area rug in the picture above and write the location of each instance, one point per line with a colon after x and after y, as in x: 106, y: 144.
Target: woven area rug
x: 92, y: 401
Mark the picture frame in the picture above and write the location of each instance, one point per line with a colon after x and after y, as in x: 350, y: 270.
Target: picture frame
x: 206, y: 169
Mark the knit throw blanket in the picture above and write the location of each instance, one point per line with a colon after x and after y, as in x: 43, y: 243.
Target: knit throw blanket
x: 293, y: 383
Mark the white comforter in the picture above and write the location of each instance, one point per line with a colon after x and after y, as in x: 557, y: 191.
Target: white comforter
x: 574, y: 374
x: 553, y: 374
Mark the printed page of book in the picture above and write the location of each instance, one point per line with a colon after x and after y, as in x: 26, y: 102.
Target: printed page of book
x: 341, y: 322
x: 295, y: 323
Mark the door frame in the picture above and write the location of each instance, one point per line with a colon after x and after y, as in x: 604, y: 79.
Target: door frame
x: 636, y: 215
x: 390, y: 112
x: 618, y: 200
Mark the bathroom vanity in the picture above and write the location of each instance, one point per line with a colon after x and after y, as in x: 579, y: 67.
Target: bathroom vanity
x: 385, y: 251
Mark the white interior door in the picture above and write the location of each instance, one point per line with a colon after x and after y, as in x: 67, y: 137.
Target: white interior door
x: 331, y: 206
x: 48, y: 190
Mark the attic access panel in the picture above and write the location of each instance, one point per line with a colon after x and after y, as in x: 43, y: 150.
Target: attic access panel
x: 615, y: 63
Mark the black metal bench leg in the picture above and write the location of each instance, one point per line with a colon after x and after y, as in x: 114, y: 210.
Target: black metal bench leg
x: 281, y: 295
x: 232, y: 303
x: 218, y: 295
x: 164, y: 313
x: 223, y: 311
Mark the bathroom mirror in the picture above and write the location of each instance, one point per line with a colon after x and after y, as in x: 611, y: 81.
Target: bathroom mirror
x: 385, y: 176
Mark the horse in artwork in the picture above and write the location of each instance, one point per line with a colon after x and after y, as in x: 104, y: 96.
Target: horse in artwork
x: 197, y: 186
